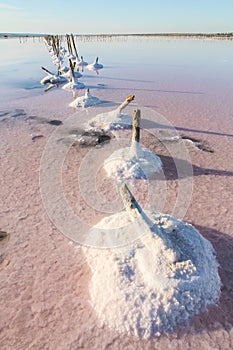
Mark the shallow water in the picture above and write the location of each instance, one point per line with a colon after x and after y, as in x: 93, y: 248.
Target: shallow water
x: 159, y: 65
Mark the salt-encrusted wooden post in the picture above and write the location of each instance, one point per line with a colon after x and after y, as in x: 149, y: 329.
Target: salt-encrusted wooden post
x: 69, y: 44
x: 136, y: 125
x: 74, y: 46
x: 47, y: 71
x: 130, y: 203
x: 134, y: 209
x: 137, y: 214
x: 71, y: 69
x: 124, y: 104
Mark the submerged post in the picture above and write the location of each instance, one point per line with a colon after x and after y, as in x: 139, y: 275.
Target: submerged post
x: 136, y: 125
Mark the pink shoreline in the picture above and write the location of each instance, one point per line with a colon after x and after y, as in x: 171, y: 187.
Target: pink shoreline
x: 44, y: 279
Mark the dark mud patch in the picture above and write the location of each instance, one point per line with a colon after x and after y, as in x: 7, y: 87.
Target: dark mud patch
x: 35, y: 137
x: 4, y: 238
x: 92, y: 138
x: 3, y: 235
x: 3, y: 114
x: 18, y: 113
x: 55, y: 122
x: 13, y: 114
x: 201, y: 145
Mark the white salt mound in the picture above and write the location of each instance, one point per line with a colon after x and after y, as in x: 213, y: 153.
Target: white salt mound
x: 68, y: 74
x: 85, y: 101
x: 132, y: 162
x: 112, y: 120
x: 72, y: 85
x: 165, y: 278
x: 95, y: 65
x: 53, y: 79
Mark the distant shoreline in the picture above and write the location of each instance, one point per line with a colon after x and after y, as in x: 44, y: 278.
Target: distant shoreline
x: 172, y: 35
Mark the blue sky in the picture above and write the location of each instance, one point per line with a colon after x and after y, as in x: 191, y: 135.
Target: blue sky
x: 119, y: 16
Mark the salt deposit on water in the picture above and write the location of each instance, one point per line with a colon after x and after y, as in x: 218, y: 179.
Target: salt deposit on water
x: 132, y: 162
x: 162, y: 280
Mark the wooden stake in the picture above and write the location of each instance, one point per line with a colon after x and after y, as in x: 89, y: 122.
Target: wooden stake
x: 74, y: 46
x: 130, y: 203
x: 47, y: 71
x: 70, y: 46
x: 68, y: 43
x: 71, y: 67
x: 136, y: 125
x: 58, y: 44
x: 55, y: 45
x: 140, y: 217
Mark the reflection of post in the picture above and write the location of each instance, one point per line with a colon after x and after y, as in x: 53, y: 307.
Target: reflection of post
x: 136, y: 125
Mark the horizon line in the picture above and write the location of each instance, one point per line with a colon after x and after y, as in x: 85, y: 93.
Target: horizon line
x: 8, y: 34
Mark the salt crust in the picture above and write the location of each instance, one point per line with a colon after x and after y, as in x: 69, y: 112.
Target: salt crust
x: 86, y: 100
x: 132, y: 162
x: 112, y: 120
x: 162, y: 280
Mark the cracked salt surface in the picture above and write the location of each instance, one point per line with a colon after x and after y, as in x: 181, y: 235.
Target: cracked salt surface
x: 160, y: 281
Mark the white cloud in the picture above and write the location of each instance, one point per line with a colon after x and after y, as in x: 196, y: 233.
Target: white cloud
x: 8, y: 7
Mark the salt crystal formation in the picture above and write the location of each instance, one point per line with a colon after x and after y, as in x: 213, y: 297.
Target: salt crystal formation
x: 165, y: 278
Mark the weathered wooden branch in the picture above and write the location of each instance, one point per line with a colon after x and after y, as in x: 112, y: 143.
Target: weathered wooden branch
x: 136, y: 125
x: 129, y: 99
x: 47, y: 71
x: 51, y: 86
x: 134, y: 209
x: 129, y: 201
